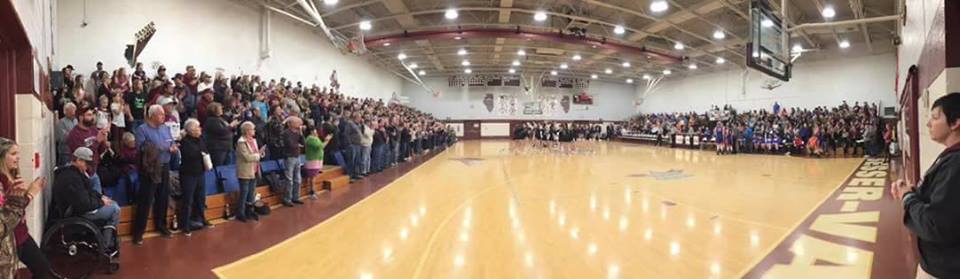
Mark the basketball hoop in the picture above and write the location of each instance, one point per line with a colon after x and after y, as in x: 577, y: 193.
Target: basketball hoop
x: 356, y: 45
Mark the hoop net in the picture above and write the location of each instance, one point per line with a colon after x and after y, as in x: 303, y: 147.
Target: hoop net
x: 531, y: 83
x: 356, y: 46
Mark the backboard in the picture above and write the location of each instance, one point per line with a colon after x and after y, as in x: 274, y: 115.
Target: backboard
x: 767, y: 49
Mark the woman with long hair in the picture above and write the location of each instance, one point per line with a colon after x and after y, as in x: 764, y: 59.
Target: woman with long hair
x: 15, y: 241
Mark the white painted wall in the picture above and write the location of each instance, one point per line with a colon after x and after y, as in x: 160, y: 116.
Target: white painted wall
x: 210, y: 34
x: 34, y: 121
x: 869, y: 78
x: 610, y: 101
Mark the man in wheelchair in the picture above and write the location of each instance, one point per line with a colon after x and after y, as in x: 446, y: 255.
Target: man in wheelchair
x: 75, y: 196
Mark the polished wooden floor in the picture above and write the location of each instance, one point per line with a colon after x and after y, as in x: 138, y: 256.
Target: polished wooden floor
x: 502, y: 209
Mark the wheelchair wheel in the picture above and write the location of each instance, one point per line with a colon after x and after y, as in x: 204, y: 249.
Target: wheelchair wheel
x: 73, y: 248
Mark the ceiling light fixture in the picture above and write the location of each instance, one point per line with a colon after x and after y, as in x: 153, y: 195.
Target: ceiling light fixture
x: 564, y: 66
x: 401, y: 56
x: 577, y: 57
x: 844, y: 44
x: 693, y: 66
x: 521, y: 53
x: 720, y: 60
x: 467, y: 71
x: 619, y: 30
x: 667, y: 72
x: 553, y: 73
x: 594, y: 76
x: 828, y: 12
x: 458, y: 38
x: 540, y: 16
x: 366, y: 25
x: 386, y: 44
x: 647, y: 77
x: 629, y: 80
x: 330, y: 2
x: 462, y: 52
x: 625, y: 64
x: 766, y: 23
x: 451, y: 14
x: 659, y: 6
x: 465, y: 63
x: 512, y: 71
x: 414, y: 66
x: 719, y: 35
x: 797, y: 48
x: 608, y: 71
x: 515, y: 63
x: 422, y: 72
x: 678, y: 46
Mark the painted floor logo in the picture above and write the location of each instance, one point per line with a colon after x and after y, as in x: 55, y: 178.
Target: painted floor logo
x: 840, y: 237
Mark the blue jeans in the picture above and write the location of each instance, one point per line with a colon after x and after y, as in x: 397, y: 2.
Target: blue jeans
x: 291, y: 167
x: 338, y: 156
x: 356, y: 154
x: 247, y: 195
x: 108, y: 214
x: 365, y: 159
x: 379, y: 156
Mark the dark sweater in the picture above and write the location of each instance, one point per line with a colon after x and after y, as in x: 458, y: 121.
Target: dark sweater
x: 933, y: 214
x: 217, y: 134
x: 191, y: 153
x: 72, y: 188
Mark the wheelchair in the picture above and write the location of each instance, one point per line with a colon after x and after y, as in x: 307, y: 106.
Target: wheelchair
x: 77, y: 247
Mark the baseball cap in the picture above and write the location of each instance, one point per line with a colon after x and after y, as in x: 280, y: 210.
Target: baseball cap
x: 83, y: 153
x: 167, y: 100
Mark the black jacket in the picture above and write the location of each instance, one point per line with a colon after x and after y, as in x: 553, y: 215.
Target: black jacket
x: 217, y: 134
x: 72, y: 188
x: 292, y: 142
x: 933, y: 214
x: 191, y: 154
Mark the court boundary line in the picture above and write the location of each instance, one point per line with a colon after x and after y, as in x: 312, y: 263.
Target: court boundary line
x: 794, y: 228
x: 218, y: 270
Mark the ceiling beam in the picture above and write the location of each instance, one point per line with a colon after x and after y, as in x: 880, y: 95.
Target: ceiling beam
x: 504, y: 16
x: 404, y: 17
x: 857, y: 7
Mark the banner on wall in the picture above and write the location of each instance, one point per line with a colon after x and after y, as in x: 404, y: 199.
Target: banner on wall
x: 514, y: 81
x: 532, y: 108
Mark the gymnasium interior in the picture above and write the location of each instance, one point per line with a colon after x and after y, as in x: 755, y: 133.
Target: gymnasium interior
x: 479, y: 139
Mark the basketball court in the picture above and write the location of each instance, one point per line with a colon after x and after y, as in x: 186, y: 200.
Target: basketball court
x: 586, y: 138
x: 501, y: 209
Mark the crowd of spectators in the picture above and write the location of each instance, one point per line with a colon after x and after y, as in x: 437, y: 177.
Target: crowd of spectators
x: 843, y: 130
x: 176, y: 127
x: 566, y: 131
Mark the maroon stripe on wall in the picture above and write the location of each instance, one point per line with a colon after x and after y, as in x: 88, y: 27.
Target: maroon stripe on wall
x: 952, y: 28
x: 933, y: 58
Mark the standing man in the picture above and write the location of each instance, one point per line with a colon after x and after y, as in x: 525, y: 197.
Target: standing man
x: 354, y: 135
x: 932, y: 208
x: 64, y: 126
x: 86, y: 134
x: 154, y: 193
x: 292, y: 138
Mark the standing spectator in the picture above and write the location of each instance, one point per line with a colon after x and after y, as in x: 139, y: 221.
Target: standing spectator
x: 137, y: 100
x: 378, y: 157
x: 354, y: 136
x: 292, y: 143
x: 85, y: 134
x: 274, y: 134
x: 64, y: 125
x: 314, y: 152
x: 193, y: 193
x: 248, y: 166
x: 219, y: 136
x: 366, y: 142
x: 154, y: 189
x: 932, y: 208
x: 27, y: 250
x: 138, y: 73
